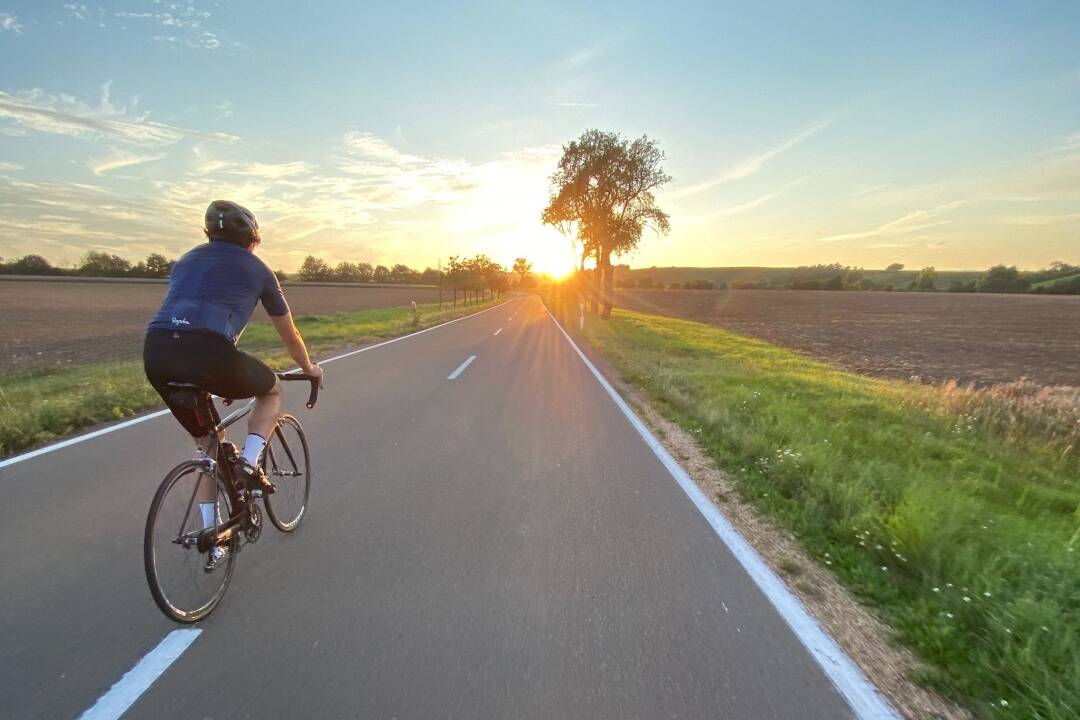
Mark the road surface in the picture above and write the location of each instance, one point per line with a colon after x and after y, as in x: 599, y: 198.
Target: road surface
x: 500, y: 545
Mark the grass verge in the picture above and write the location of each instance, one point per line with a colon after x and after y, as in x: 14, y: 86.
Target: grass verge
x: 39, y: 406
x: 959, y: 535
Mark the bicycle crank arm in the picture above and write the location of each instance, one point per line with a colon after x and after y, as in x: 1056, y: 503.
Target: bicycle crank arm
x: 208, y: 538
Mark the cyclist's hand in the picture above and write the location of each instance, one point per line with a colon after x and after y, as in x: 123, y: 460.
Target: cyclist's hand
x: 316, y: 371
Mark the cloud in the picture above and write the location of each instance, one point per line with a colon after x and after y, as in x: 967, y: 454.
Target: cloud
x: 66, y: 115
x: 583, y: 56
x: 10, y: 23
x: 749, y: 205
x: 118, y: 159
x: 869, y: 190
x: 372, y: 149
x: 754, y: 163
x: 911, y: 222
x: 579, y: 104
x: 1037, y: 220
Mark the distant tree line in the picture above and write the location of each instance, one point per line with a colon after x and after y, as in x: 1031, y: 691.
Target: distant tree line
x: 1059, y: 278
x: 92, y: 264
x: 478, y: 274
x: 648, y: 283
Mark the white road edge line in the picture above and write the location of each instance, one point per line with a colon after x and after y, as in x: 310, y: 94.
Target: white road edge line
x: 848, y: 679
x: 498, y: 331
x: 461, y: 368
x: 29, y: 455
x: 138, y: 679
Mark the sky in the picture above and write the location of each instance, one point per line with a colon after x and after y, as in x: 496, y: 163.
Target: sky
x: 943, y: 134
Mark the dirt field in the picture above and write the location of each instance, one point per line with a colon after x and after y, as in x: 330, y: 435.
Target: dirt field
x: 46, y: 324
x: 982, y: 339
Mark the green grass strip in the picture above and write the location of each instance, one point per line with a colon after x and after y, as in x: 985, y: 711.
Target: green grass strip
x: 960, y: 539
x: 40, y: 406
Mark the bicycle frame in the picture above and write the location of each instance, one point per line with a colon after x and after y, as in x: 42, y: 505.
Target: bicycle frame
x: 220, y: 467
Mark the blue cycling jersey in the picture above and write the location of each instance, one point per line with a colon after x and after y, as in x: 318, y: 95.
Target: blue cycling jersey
x: 215, y: 287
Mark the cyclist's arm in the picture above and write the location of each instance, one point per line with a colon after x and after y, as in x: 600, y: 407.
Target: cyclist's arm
x: 290, y: 338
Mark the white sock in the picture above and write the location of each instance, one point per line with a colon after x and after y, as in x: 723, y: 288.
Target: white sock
x: 253, y: 448
x: 209, y: 514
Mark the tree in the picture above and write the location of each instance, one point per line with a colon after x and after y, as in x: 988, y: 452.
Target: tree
x: 1001, y: 279
x: 430, y: 276
x: 602, y: 192
x: 315, y: 270
x: 926, y: 279
x: 31, y: 265
x: 102, y: 264
x: 402, y: 274
x: 158, y: 266
x: 381, y: 274
x: 895, y: 267
x: 347, y: 272
x: 523, y: 268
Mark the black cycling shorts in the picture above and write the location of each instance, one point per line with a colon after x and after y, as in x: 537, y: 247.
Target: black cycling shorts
x: 205, y: 359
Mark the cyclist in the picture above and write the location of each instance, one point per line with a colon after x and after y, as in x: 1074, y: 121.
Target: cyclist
x: 213, y: 290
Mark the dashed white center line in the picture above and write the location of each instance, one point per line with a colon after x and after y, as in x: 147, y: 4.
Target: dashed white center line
x: 461, y: 368
x: 123, y: 694
x: 498, y: 331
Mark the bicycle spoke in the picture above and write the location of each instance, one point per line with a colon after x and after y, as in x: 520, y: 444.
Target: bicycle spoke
x: 191, y: 502
x: 288, y: 450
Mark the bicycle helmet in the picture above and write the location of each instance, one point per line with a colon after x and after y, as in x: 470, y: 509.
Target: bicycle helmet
x: 230, y: 222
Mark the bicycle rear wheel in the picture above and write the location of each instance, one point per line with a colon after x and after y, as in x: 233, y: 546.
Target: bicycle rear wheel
x: 181, y: 587
x: 288, y: 465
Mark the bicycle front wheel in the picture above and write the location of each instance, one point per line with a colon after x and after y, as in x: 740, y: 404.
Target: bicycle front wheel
x: 288, y: 465
x: 175, y: 569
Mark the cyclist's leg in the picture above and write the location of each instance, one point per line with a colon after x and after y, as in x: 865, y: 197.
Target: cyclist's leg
x: 244, y: 376
x: 170, y: 357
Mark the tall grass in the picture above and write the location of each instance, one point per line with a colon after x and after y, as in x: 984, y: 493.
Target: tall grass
x: 39, y: 406
x: 952, y: 513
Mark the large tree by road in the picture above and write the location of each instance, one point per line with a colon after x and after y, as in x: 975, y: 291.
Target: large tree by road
x: 602, y: 194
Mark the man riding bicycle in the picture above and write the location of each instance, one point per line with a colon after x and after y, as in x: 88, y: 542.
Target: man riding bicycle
x: 213, y: 290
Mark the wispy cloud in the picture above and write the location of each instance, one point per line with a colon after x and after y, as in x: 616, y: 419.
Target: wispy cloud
x: 173, y: 23
x: 583, y: 56
x: 579, y: 104
x: 1037, y: 220
x: 744, y: 207
x: 118, y: 159
x: 913, y: 221
x: 10, y: 23
x: 66, y: 115
x: 751, y: 165
x: 10, y: 167
x: 868, y: 190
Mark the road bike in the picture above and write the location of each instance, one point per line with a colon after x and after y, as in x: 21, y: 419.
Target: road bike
x: 176, y: 545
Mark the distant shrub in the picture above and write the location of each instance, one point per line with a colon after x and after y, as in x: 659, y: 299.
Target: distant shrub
x: 926, y: 280
x: 1001, y: 279
x: 956, y: 286
x: 1068, y: 286
x: 749, y: 285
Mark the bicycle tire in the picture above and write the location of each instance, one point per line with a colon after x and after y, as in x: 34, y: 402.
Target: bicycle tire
x: 279, y: 511
x: 150, y: 564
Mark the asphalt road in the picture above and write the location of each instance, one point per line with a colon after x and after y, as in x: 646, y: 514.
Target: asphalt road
x: 500, y: 545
